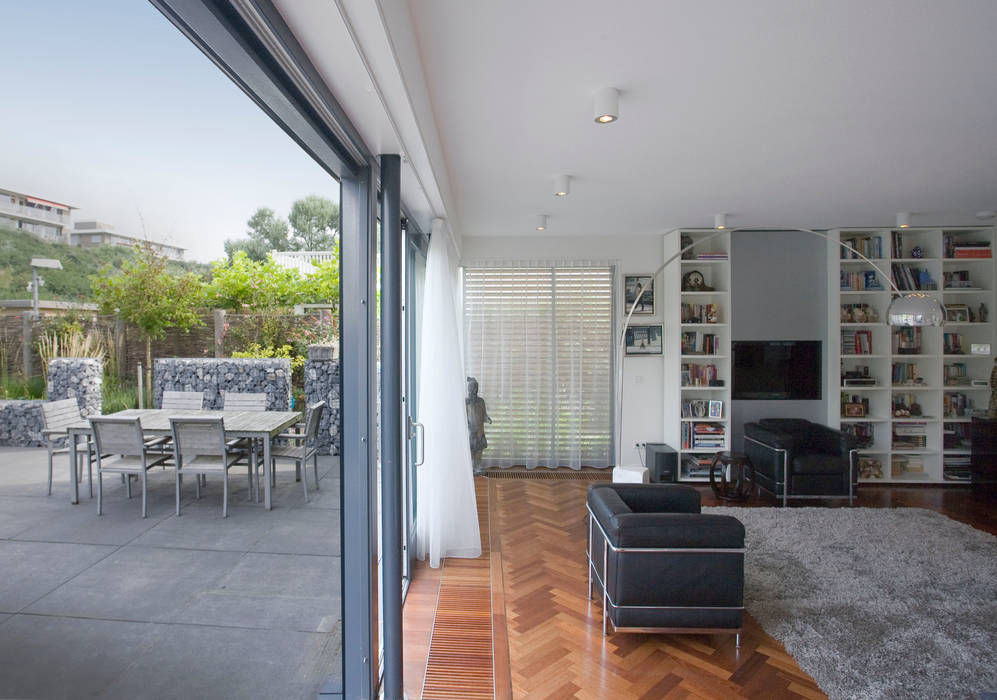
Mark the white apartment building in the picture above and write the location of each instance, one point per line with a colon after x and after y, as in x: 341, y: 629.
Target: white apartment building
x: 89, y: 234
x: 41, y: 218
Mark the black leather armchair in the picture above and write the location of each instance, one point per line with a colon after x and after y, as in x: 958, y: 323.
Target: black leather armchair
x: 660, y: 564
x: 795, y: 458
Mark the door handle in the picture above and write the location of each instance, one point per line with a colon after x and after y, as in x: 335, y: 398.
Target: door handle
x: 416, y: 429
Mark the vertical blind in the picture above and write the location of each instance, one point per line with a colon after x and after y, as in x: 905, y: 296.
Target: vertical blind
x: 539, y: 342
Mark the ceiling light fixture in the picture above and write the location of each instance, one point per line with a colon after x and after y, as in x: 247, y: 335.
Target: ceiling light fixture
x: 607, y: 106
x: 903, y: 219
x: 719, y: 221
x: 562, y: 185
x: 541, y: 222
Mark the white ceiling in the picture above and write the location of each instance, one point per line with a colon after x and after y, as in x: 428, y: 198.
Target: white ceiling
x: 779, y: 112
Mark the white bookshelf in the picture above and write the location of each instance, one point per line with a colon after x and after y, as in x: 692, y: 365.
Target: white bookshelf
x: 924, y: 378
x: 716, y: 274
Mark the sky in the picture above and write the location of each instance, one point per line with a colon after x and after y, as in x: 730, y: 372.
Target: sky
x: 109, y: 108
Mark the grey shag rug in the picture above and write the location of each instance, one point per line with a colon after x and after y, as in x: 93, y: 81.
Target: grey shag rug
x: 873, y: 602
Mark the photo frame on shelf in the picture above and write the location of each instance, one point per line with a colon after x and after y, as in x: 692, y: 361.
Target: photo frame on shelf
x: 700, y: 408
x: 643, y: 340
x: 854, y: 410
x: 632, y: 284
x: 957, y: 313
x: 716, y: 409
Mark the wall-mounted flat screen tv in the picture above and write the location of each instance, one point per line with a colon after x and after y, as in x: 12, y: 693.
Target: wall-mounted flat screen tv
x: 777, y: 369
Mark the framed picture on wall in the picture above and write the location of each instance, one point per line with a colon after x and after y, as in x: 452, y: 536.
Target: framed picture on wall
x: 643, y: 340
x: 632, y: 286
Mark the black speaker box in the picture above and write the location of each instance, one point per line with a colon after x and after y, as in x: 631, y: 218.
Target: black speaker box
x: 662, y: 463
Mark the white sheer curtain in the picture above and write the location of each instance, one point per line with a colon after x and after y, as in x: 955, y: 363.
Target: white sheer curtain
x: 538, y: 338
x: 447, y: 511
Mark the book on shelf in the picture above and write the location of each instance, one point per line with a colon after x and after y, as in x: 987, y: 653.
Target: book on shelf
x: 703, y: 435
x: 863, y: 433
x: 869, y: 246
x: 908, y: 340
x: 905, y: 373
x: 956, y: 279
x: 699, y: 343
x: 700, y: 313
x: 856, y: 342
x: 956, y: 405
x: 907, y: 278
x: 954, y: 248
x: 860, y: 281
x: 697, y: 466
x: 698, y: 375
x: 952, y: 343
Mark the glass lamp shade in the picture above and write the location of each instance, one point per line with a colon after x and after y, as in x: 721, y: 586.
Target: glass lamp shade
x: 915, y: 309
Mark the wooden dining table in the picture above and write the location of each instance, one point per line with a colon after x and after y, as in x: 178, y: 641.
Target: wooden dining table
x: 257, y: 425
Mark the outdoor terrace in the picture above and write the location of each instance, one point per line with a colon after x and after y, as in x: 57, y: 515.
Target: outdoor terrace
x: 166, y: 607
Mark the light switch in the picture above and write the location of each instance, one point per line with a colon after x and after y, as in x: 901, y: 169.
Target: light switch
x: 638, y: 379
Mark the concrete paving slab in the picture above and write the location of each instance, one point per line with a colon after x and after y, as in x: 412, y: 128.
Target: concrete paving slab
x: 20, y: 513
x: 121, y: 522
x: 139, y: 583
x: 215, y: 662
x: 60, y: 657
x: 302, y: 531
x: 293, y: 496
x: 201, y: 526
x: 272, y: 591
x: 33, y: 569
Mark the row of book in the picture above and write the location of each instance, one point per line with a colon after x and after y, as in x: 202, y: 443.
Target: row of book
x: 897, y: 245
x: 952, y: 344
x: 905, y: 373
x: 698, y: 375
x: 955, y: 374
x: 856, y: 342
x: 869, y: 246
x: 697, y: 466
x: 903, y: 464
x: 700, y: 313
x: 908, y: 278
x: 954, y: 248
x: 956, y: 468
x: 910, y: 436
x: 863, y: 433
x: 703, y: 435
x: 908, y: 340
x: 860, y: 281
x: 956, y: 405
x: 698, y: 343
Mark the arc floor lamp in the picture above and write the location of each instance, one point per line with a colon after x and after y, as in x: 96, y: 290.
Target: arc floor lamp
x: 906, y: 308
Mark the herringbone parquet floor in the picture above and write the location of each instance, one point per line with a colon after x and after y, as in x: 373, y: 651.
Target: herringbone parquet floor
x: 556, y: 647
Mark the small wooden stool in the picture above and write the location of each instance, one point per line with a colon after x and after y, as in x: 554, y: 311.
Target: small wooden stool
x: 734, y: 482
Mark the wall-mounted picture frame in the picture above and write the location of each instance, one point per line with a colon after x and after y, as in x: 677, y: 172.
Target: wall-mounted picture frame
x: 716, y: 409
x: 632, y: 285
x: 643, y: 340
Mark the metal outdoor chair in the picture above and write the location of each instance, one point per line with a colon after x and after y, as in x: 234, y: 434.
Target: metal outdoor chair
x: 306, y: 448
x: 57, y: 416
x: 245, y: 401
x: 183, y: 400
x: 199, y: 447
x: 122, y: 437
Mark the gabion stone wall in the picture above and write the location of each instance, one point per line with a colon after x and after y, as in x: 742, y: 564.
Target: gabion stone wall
x: 322, y: 384
x: 213, y: 376
x: 79, y: 377
x: 21, y: 423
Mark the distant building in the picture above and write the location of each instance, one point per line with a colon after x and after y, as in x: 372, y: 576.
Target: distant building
x: 89, y: 234
x: 303, y: 261
x: 41, y: 218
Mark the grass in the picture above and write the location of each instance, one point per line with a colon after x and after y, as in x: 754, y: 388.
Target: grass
x: 17, y: 388
x: 117, y: 397
x: 72, y: 283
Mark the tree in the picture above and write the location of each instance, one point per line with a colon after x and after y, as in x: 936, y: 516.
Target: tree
x: 266, y: 231
x: 147, y: 295
x: 314, y: 223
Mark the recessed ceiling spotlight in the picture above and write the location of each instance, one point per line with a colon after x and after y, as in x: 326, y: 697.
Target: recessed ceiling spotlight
x: 986, y: 214
x: 562, y: 185
x: 607, y: 106
x: 903, y: 219
x: 541, y: 222
x: 720, y: 221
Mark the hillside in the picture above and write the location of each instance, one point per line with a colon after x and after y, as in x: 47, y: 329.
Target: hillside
x: 72, y: 283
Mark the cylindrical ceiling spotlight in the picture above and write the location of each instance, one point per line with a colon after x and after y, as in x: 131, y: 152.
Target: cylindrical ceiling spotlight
x: 541, y: 222
x: 720, y: 221
x: 562, y: 185
x: 903, y: 219
x: 607, y: 106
